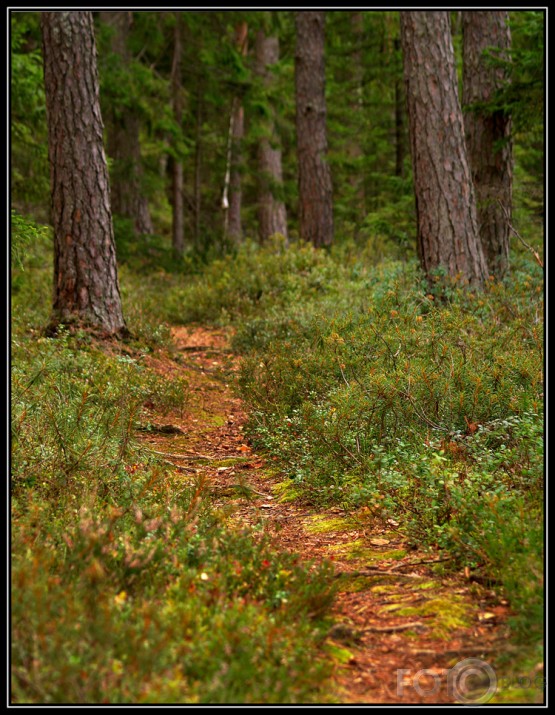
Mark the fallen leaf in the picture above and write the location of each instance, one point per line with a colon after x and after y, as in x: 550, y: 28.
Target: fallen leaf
x: 379, y: 542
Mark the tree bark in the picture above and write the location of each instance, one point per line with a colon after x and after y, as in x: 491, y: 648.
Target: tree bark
x: 447, y: 229
x: 124, y: 148
x: 178, y: 235
x: 488, y: 134
x: 86, y: 290
x: 315, y: 185
x: 272, y: 215
x: 237, y: 128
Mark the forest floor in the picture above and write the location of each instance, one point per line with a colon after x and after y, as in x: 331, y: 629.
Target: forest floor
x: 406, y: 629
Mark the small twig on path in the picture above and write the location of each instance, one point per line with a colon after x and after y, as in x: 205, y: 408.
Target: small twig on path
x: 190, y: 456
x: 464, y: 649
x: 377, y: 572
x: 179, y: 466
x: 392, y: 629
x: 419, y: 562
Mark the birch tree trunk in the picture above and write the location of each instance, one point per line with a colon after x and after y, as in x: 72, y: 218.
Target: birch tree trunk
x: 124, y: 148
x: 86, y: 290
x: 237, y: 133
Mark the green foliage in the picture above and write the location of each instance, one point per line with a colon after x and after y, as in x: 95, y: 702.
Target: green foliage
x: 423, y: 407
x: 29, y: 144
x: 127, y: 586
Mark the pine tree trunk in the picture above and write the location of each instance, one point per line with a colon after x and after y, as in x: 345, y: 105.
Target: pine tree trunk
x: 124, y: 147
x: 445, y: 203
x: 315, y: 186
x: 488, y: 134
x: 178, y: 235
x: 354, y: 147
x: 400, y: 132
x: 272, y: 216
x: 86, y: 290
x: 234, y: 225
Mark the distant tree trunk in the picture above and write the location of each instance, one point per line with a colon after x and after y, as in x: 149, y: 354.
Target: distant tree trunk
x: 86, y: 290
x: 400, y: 131
x: 354, y: 147
x: 445, y: 202
x: 237, y: 131
x: 123, y: 126
x: 198, y: 166
x: 272, y: 216
x: 178, y: 235
x: 488, y: 134
x: 315, y: 186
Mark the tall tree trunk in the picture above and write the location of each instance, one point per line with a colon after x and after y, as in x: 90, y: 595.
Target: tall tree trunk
x: 198, y: 166
x: 315, y: 186
x: 400, y: 136
x: 445, y: 203
x: 272, y: 216
x: 178, y: 236
x: 124, y: 148
x: 488, y: 134
x: 86, y: 290
x: 354, y: 147
x: 237, y: 130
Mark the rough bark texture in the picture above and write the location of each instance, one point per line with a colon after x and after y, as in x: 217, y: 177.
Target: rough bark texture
x: 272, y: 215
x: 86, y: 290
x: 315, y: 186
x: 445, y: 202
x: 234, y: 225
x: 178, y: 235
x: 488, y: 134
x: 124, y: 148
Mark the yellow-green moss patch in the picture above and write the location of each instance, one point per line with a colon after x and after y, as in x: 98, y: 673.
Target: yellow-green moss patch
x: 450, y: 614
x: 286, y: 491
x: 319, y: 524
x: 359, y: 550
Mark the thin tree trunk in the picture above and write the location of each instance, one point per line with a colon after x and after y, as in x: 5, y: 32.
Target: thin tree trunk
x: 178, y: 236
x: 86, y: 290
x: 488, y: 134
x: 124, y: 147
x: 272, y: 215
x: 354, y: 147
x: 445, y: 203
x: 198, y: 167
x: 400, y: 130
x: 234, y: 226
x: 315, y: 186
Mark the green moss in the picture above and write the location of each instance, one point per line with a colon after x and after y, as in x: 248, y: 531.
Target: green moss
x: 337, y: 653
x: 287, y: 490
x: 319, y: 524
x: 450, y: 614
x: 354, y: 584
x: 426, y: 585
x: 359, y: 550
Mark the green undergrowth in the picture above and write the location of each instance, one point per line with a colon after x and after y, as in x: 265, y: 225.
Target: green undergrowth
x: 367, y: 388
x: 420, y: 402
x: 127, y: 586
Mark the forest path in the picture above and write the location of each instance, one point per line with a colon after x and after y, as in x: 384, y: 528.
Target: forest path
x: 405, y: 631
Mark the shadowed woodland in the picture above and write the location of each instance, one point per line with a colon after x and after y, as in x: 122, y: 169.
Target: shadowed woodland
x: 277, y: 368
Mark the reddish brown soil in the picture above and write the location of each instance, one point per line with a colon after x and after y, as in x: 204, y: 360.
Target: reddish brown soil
x: 383, y: 659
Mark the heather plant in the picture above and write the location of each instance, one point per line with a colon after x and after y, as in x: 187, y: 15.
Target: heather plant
x: 127, y: 585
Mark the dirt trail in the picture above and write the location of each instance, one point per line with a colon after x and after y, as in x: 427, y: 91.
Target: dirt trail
x: 404, y: 632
